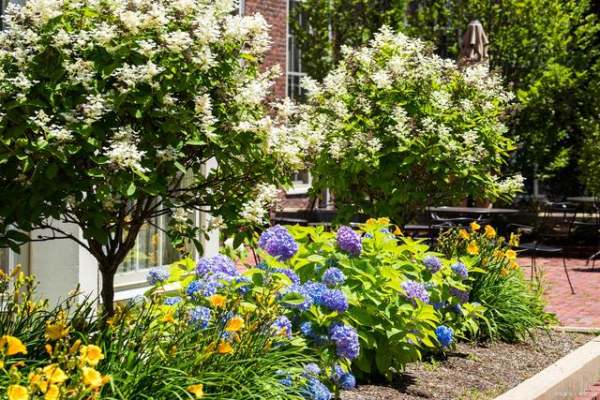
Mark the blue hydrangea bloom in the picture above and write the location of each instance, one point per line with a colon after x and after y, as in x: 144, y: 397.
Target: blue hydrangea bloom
x: 460, y: 269
x: 282, y: 326
x: 315, y: 290
x: 349, y: 241
x: 333, y: 276
x: 287, y: 378
x: 415, y: 290
x: 461, y: 295
x: 157, y: 275
x: 200, y: 316
x: 439, y: 305
x: 171, y: 301
x: 289, y: 273
x: 307, y: 329
x: 335, y: 300
x: 245, y: 284
x: 301, y: 290
x: 315, y: 390
x: 220, y: 266
x: 432, y: 263
x: 345, y: 339
x: 278, y: 242
x: 204, y: 288
x: 312, y: 369
x: 347, y: 381
x: 337, y: 372
x: 457, y: 309
x: 444, y: 335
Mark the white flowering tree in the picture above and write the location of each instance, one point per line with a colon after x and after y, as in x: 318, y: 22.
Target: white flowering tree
x: 111, y: 110
x: 401, y: 129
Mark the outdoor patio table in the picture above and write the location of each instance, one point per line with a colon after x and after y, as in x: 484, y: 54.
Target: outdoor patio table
x: 582, y: 199
x: 473, y: 210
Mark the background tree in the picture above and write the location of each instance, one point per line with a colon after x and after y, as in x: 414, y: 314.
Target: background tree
x: 112, y: 110
x: 545, y: 51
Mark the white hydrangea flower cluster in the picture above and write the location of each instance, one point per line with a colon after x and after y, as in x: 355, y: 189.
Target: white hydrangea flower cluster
x: 256, y: 211
x: 395, y: 104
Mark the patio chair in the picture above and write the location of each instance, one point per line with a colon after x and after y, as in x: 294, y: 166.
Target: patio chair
x: 555, y: 225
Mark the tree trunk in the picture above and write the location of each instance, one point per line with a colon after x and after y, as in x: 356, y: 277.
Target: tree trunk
x: 108, y: 291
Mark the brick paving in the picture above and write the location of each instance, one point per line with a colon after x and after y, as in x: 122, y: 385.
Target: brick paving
x: 581, y: 309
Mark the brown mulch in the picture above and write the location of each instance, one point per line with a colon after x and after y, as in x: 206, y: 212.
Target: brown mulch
x: 475, y: 371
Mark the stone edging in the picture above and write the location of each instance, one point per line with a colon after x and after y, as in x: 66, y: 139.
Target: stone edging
x: 563, y: 380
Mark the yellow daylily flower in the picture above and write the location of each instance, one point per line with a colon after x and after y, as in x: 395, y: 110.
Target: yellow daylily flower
x: 371, y: 221
x: 197, y: 390
x: 168, y: 318
x: 490, y: 232
x: 224, y: 348
x: 398, y: 231
x: 514, y: 265
x: 463, y: 233
x: 13, y: 345
x: 475, y: 226
x: 514, y: 240
x: 52, y: 393
x: 217, y: 300
x: 91, y: 354
x: 499, y: 254
x: 504, y: 272
x: 56, y: 331
x: 1, y: 364
x: 383, y: 221
x: 235, y: 324
x: 92, y: 378
x: 511, y: 254
x: 54, y: 373
x: 473, y: 248
x: 17, y: 392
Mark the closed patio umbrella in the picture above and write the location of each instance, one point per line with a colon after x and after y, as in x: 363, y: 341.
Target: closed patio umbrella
x: 473, y: 48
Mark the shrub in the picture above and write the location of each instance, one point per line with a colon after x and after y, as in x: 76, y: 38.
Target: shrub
x: 513, y: 307
x: 160, y: 347
x: 392, y: 290
x: 401, y: 129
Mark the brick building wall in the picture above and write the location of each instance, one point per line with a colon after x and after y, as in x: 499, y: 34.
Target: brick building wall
x: 275, y: 12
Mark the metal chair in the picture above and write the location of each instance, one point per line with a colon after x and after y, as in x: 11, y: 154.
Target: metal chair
x: 555, y: 224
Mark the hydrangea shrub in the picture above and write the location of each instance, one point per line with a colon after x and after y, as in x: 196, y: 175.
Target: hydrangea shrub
x: 401, y: 129
x: 382, y: 300
x: 117, y: 112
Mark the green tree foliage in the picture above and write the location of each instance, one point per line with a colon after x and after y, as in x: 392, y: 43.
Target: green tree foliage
x: 111, y: 111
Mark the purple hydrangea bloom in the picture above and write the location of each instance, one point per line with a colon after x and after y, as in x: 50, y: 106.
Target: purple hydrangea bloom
x: 312, y: 369
x: 315, y: 390
x: 444, y: 335
x: 282, y: 326
x: 315, y: 290
x: 345, y: 339
x: 157, y: 275
x: 460, y: 269
x: 432, y: 263
x: 200, y: 316
x: 349, y: 241
x: 171, y: 301
x: 219, y: 266
x: 439, y: 305
x: 415, y: 290
x: 278, y: 242
x: 289, y: 273
x: 335, y: 300
x: 461, y: 295
x: 333, y: 276
x: 347, y: 381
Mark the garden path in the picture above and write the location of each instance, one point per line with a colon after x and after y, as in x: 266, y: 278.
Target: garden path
x: 581, y: 309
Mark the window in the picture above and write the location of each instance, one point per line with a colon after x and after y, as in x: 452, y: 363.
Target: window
x: 9, y: 259
x: 152, y: 248
x: 294, y: 67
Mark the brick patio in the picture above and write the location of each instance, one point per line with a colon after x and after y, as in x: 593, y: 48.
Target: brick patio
x: 581, y: 309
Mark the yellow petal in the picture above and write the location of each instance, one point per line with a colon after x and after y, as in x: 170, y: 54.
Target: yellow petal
x: 54, y: 374
x: 52, y: 393
x: 224, y: 348
x: 475, y: 226
x: 217, y: 300
x: 490, y: 232
x: 464, y: 234
x: 197, y: 390
x: 235, y: 324
x: 56, y: 331
x: 511, y: 254
x: 14, y: 345
x: 473, y: 248
x: 91, y: 377
x: 17, y: 392
x: 91, y: 354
